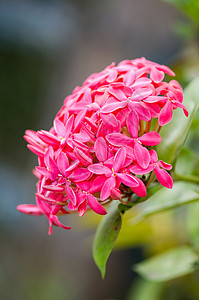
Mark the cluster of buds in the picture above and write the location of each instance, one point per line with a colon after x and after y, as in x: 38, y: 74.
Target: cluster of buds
x: 100, y: 147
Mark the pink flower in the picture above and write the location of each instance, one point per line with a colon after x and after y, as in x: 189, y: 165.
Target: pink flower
x: 113, y: 174
x: 159, y: 168
x: 101, y: 140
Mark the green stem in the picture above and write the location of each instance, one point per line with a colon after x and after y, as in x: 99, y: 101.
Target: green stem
x: 188, y: 178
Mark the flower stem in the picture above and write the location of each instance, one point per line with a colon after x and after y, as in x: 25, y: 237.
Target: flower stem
x: 141, y: 128
x: 150, y: 179
x: 147, y: 127
x: 156, y: 126
x: 159, y: 129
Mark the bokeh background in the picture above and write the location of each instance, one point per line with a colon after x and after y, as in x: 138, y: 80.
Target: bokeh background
x: 47, y: 47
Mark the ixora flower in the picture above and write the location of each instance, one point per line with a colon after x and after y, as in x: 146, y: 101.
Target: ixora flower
x: 102, y: 139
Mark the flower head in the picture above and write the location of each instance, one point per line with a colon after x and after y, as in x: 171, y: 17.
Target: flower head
x: 101, y: 140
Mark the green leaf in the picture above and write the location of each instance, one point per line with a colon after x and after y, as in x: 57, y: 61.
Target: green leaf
x: 169, y: 265
x: 187, y: 163
x: 181, y: 193
x: 145, y: 290
x: 175, y: 133
x: 193, y: 224
x: 105, y: 237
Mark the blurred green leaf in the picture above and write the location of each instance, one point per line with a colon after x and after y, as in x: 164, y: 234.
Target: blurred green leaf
x: 175, y: 133
x: 181, y: 193
x: 105, y: 237
x: 193, y: 224
x: 189, y: 7
x: 187, y: 163
x: 145, y: 290
x: 169, y: 265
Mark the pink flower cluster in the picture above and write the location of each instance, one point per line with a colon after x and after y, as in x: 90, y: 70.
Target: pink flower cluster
x: 100, y: 145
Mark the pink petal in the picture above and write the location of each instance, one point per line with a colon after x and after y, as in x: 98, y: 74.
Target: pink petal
x: 155, y: 99
x: 156, y: 75
x: 82, y: 208
x: 151, y: 138
x: 141, y: 110
x: 107, y: 187
x: 119, y: 159
x: 154, y: 156
x: 73, y: 166
x: 128, y: 180
x: 136, y: 169
x: 99, y: 169
x: 112, y: 75
x: 133, y: 124
x: 63, y: 163
x: 36, y: 150
x: 164, y: 178
x: 164, y: 165
x: 166, y: 114
x: 118, y: 139
x: 68, y: 126
x: 48, y: 138
x: 129, y: 78
x: 140, y: 190
x: 81, y: 137
x: 167, y: 70
x: 80, y: 174
x: 91, y: 123
x: 101, y: 149
x: 115, y: 194
x: 97, y: 184
x: 79, y: 118
x: 53, y: 188
x: 95, y: 206
x: 142, y: 155
x: 141, y: 94
x: 84, y: 158
x: 70, y: 193
x: 30, y: 209
x: 117, y: 92
x: 107, y: 108
x: 53, y: 167
x: 45, y: 172
x: 183, y: 107
x: 84, y: 186
x: 58, y: 223
x: 59, y: 127
x: 109, y: 120
x: 141, y: 82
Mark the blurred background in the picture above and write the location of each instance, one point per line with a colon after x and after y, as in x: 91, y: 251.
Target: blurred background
x: 48, y: 47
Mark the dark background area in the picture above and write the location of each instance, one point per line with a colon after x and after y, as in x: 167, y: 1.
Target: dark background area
x: 46, y: 49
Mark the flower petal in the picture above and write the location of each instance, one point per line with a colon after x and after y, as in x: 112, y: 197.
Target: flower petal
x: 151, y: 138
x: 80, y: 174
x: 142, y: 155
x: 133, y: 123
x: 164, y: 178
x: 30, y: 209
x: 128, y: 180
x: 107, y: 187
x: 95, y: 205
x: 108, y: 108
x: 101, y: 149
x: 99, y: 169
x: 118, y: 139
x: 156, y: 75
x: 140, y: 190
x: 166, y: 114
x: 119, y: 159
